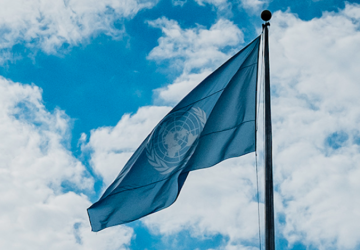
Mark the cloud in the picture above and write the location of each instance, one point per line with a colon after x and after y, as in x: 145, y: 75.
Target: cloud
x: 315, y: 119
x: 217, y: 3
x: 111, y: 147
x: 253, y: 6
x: 36, y: 209
x: 224, y: 6
x: 180, y: 87
x: 179, y: 2
x: 50, y: 24
x: 194, y: 51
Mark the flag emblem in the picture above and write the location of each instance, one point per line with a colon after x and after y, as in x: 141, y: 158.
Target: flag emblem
x: 173, y: 141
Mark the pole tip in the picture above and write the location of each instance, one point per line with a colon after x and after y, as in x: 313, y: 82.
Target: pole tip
x: 266, y: 15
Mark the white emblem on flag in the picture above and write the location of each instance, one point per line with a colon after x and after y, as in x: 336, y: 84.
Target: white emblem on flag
x: 169, y: 144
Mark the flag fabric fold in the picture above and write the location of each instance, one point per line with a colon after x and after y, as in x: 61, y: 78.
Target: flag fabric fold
x: 214, y: 122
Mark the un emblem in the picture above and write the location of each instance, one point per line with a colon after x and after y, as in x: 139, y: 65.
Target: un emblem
x: 169, y: 144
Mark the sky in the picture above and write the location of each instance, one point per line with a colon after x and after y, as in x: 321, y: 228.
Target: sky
x: 82, y: 83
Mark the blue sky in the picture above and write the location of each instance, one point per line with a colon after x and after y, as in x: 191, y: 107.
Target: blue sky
x: 83, y: 83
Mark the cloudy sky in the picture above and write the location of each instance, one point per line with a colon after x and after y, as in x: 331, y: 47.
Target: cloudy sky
x: 82, y: 83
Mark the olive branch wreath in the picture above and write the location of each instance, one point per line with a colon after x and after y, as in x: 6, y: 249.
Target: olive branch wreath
x: 154, y: 160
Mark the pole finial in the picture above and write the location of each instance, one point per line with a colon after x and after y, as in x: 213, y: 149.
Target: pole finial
x: 266, y: 15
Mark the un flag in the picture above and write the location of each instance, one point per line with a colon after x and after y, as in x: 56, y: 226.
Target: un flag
x: 214, y: 122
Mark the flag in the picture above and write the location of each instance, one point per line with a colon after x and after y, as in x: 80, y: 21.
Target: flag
x: 214, y: 122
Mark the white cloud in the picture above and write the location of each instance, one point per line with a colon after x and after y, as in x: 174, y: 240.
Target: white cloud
x: 179, y: 2
x: 253, y: 6
x: 194, y: 48
x: 182, y: 85
x: 49, y: 24
x: 111, y: 147
x: 36, y: 211
x: 224, y: 6
x: 196, y: 51
x: 315, y: 119
x: 213, y: 2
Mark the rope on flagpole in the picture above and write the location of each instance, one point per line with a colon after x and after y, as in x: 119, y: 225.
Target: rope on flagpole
x: 260, y: 99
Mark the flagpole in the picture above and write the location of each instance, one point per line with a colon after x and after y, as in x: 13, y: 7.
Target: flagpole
x: 269, y: 195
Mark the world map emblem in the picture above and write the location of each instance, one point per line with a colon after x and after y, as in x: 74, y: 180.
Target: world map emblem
x: 172, y: 142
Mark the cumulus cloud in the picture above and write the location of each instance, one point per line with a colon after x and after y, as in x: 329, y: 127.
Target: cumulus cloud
x: 315, y: 119
x: 253, y: 6
x: 179, y: 2
x: 111, y: 147
x: 183, y: 84
x: 195, y: 51
x: 217, y: 3
x: 224, y: 6
x: 37, y: 169
x: 50, y: 24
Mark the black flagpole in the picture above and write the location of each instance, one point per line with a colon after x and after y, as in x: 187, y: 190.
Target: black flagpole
x: 269, y: 195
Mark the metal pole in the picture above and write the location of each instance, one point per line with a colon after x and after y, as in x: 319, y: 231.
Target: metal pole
x: 269, y: 193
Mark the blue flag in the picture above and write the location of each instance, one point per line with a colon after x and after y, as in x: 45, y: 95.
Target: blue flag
x: 214, y: 122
